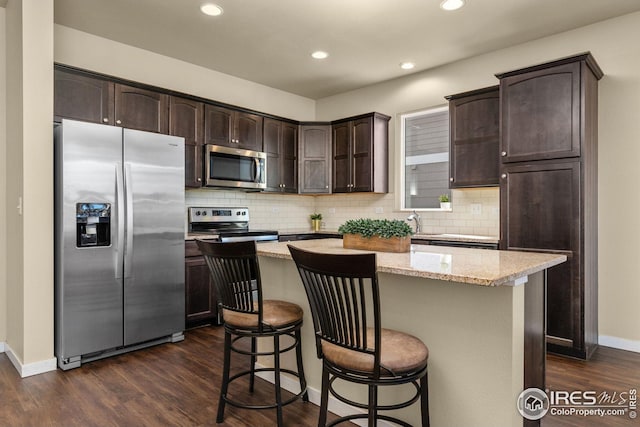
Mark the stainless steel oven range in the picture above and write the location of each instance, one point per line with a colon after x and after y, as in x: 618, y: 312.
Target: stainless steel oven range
x: 226, y: 224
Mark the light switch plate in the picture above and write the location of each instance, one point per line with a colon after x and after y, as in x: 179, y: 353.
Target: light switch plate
x: 476, y: 209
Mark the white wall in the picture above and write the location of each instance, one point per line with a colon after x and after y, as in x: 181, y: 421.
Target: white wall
x: 83, y: 50
x: 3, y: 184
x: 614, y: 45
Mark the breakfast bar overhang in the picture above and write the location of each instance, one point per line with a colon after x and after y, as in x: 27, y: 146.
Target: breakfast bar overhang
x: 480, y: 312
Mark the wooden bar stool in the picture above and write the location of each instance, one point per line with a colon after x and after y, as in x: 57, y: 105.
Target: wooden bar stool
x: 345, y: 305
x: 236, y: 274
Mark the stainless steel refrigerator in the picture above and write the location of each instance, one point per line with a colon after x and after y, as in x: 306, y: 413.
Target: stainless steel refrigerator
x: 119, y: 240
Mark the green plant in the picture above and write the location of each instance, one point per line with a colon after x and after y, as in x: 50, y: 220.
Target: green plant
x: 376, y: 227
x: 444, y: 198
x: 316, y: 216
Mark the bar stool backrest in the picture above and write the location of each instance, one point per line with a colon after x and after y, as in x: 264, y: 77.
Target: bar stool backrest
x: 236, y: 275
x: 344, y: 298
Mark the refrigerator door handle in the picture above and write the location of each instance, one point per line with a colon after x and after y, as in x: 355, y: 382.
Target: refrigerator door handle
x: 120, y: 207
x: 128, y: 254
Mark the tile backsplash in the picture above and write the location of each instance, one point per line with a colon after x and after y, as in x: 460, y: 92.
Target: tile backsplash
x: 474, y: 211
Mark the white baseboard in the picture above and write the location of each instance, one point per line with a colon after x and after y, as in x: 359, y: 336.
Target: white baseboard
x: 30, y: 369
x: 335, y: 406
x: 619, y: 343
x: 1, y: 347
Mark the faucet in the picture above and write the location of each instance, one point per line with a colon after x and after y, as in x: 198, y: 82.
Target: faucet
x: 415, y: 217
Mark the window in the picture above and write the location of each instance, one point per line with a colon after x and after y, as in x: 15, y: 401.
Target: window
x: 425, y: 158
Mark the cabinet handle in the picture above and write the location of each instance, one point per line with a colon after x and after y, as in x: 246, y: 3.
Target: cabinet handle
x: 503, y: 176
x: 451, y: 179
x: 105, y: 120
x: 503, y: 154
x: 118, y: 122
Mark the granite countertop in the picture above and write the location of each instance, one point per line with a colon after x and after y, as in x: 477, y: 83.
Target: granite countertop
x: 464, y: 265
x: 457, y: 237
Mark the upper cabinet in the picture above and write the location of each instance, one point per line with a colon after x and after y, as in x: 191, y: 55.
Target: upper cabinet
x: 280, y: 141
x: 474, y: 130
x: 141, y: 109
x: 232, y: 128
x: 186, y: 120
x: 314, y: 159
x: 360, y: 154
x: 541, y: 113
x: 93, y: 99
x: 83, y: 97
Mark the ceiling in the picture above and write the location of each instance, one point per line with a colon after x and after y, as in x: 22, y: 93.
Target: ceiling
x: 270, y: 42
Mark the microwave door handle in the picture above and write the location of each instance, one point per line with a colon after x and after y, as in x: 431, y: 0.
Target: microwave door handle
x: 256, y: 170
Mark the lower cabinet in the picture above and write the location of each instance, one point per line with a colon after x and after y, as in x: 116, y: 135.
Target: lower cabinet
x: 201, y: 305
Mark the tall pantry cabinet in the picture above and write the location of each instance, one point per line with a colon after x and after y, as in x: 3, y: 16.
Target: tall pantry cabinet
x: 548, y: 188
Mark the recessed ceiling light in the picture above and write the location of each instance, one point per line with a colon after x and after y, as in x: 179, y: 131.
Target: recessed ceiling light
x: 211, y: 9
x: 407, y: 65
x: 452, y: 4
x: 319, y: 54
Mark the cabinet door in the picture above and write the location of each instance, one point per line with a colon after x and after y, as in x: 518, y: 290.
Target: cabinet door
x: 141, y: 109
x: 341, y: 157
x: 218, y: 124
x: 200, y: 302
x: 541, y: 114
x: 362, y: 154
x: 82, y: 97
x: 289, y: 158
x: 272, y: 138
x: 474, y: 140
x: 315, y: 159
x: 247, y: 131
x: 186, y: 120
x: 541, y: 204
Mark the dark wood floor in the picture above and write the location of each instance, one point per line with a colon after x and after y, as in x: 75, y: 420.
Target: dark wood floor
x: 178, y: 385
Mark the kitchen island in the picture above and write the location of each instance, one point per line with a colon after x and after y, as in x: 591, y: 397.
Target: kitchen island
x: 480, y: 312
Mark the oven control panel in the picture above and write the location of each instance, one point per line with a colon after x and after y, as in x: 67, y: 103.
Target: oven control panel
x: 209, y: 214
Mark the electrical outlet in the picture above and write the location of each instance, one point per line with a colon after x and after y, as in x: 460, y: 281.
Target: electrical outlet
x: 332, y: 210
x: 275, y: 210
x: 379, y: 210
x: 476, y: 209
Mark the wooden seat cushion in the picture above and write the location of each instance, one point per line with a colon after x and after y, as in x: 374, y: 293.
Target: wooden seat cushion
x: 276, y: 314
x: 399, y: 353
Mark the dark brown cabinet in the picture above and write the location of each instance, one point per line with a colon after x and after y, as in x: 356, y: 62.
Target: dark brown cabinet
x: 315, y: 159
x: 200, y: 299
x: 232, y: 128
x: 141, y: 109
x: 541, y: 113
x: 548, y: 189
x: 82, y: 97
x: 280, y: 140
x: 360, y: 154
x: 474, y: 139
x: 186, y: 120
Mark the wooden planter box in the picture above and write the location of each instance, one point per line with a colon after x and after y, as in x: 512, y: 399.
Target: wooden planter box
x: 375, y: 243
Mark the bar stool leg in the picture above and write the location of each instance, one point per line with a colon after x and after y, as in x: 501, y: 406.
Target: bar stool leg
x: 252, y: 376
x: 276, y: 365
x: 373, y: 405
x: 303, y: 381
x: 324, y: 398
x: 424, y: 400
x: 225, y: 376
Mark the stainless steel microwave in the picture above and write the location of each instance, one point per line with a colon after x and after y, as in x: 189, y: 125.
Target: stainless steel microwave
x: 235, y: 168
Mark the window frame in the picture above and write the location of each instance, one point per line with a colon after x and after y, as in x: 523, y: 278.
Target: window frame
x: 401, y: 197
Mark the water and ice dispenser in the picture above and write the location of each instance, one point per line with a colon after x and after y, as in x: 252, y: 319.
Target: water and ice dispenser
x: 93, y: 224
